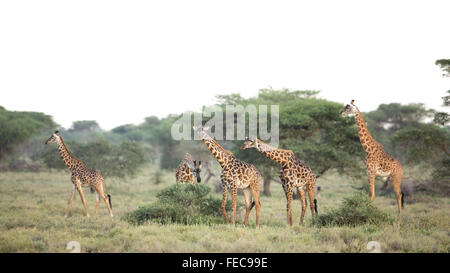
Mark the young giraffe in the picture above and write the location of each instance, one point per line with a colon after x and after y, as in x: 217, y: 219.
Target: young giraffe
x: 235, y: 175
x: 378, y: 162
x: 293, y: 174
x: 189, y: 170
x: 81, y: 177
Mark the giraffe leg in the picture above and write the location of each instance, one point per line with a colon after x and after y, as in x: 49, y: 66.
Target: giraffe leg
x: 256, y: 195
x: 396, y: 187
x: 372, y: 186
x: 97, y: 198
x: 233, y: 200
x: 70, y: 201
x: 248, y: 204
x: 224, y: 202
x: 83, y: 200
x: 312, y: 204
x: 105, y: 197
x: 289, y: 191
x: 301, y: 192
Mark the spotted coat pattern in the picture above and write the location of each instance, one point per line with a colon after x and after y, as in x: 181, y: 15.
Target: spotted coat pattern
x: 81, y: 176
x: 294, y: 174
x: 189, y: 170
x: 235, y: 175
x: 378, y: 162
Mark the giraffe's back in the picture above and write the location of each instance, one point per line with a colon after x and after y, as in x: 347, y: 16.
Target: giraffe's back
x: 297, y: 173
x: 88, y: 177
x: 241, y: 175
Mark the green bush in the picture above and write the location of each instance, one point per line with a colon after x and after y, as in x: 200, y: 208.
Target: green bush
x: 355, y: 210
x: 186, y: 204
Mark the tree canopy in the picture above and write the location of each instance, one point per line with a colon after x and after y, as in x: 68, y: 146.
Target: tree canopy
x: 310, y: 127
x: 17, y: 127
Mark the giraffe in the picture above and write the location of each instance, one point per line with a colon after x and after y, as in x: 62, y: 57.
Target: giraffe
x: 235, y: 175
x: 81, y: 177
x: 293, y: 174
x: 378, y: 162
x: 189, y: 170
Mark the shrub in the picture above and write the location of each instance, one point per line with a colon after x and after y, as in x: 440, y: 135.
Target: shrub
x: 186, y: 204
x: 355, y: 210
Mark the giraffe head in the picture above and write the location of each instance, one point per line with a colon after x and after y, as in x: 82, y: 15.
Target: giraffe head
x: 197, y: 169
x: 350, y: 109
x: 201, y: 131
x: 250, y: 142
x: 54, y: 138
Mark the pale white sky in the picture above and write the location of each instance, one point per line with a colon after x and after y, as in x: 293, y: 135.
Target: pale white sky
x: 120, y: 61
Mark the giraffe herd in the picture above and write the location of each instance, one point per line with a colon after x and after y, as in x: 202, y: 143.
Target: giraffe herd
x: 236, y: 174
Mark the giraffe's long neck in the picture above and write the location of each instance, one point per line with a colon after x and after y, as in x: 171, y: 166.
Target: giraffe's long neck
x: 272, y: 153
x: 70, y: 161
x: 367, y: 141
x: 222, y: 156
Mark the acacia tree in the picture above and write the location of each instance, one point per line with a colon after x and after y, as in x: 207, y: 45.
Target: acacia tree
x: 85, y: 125
x: 310, y: 127
x: 387, y: 119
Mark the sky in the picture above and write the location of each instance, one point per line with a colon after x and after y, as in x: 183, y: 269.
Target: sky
x: 118, y: 62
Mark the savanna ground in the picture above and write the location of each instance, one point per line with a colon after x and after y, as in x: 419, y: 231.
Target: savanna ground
x: 33, y: 206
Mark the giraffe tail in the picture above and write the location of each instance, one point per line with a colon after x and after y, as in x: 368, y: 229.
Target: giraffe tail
x: 403, y: 198
x: 109, y: 195
x: 315, y: 206
x: 109, y: 200
x: 252, y: 205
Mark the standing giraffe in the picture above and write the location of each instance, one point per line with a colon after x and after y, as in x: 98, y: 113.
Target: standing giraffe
x: 378, y: 162
x: 235, y: 175
x: 189, y: 170
x: 293, y: 174
x: 81, y: 177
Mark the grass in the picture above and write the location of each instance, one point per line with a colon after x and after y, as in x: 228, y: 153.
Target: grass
x: 33, y: 205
